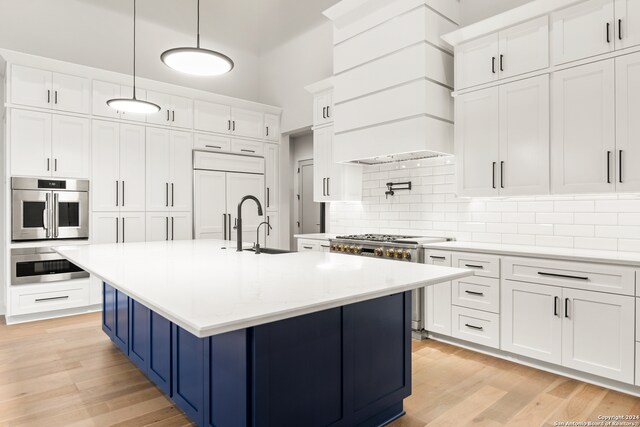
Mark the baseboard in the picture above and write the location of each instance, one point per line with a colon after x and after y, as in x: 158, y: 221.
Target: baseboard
x: 24, y: 318
x: 544, y: 366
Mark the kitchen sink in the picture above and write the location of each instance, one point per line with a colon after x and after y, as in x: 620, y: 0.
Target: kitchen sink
x: 270, y: 251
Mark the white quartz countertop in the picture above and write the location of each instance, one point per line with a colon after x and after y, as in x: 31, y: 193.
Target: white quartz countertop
x: 315, y: 236
x: 569, y: 254
x: 209, y: 290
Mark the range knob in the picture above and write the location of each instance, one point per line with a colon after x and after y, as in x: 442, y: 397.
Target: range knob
x: 398, y: 253
x: 334, y: 247
x: 406, y: 255
x: 378, y: 252
x: 357, y: 250
x: 390, y: 253
x: 340, y: 248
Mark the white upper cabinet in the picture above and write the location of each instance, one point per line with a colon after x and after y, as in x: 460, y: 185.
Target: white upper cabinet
x: 162, y: 117
x: 31, y: 152
x: 524, y: 137
x: 247, y: 123
x: 272, y: 127
x: 180, y: 171
x: 174, y: 111
x: 212, y: 117
x: 583, y: 30
x: 477, y: 141
x: 45, y: 89
x: 271, y: 159
x: 476, y: 62
x: 323, y: 108
x: 132, y: 154
x: 583, y: 129
x: 70, y: 138
x: 102, y: 92
x: 627, y: 23
x: 627, y: 174
x: 524, y: 48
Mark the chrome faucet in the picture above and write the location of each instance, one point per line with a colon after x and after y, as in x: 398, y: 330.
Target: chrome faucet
x: 238, y: 226
x: 257, y: 247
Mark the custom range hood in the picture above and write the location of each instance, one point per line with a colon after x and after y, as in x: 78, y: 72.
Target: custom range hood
x: 393, y: 77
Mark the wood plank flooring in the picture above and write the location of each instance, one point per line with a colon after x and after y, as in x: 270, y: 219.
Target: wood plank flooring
x: 66, y: 372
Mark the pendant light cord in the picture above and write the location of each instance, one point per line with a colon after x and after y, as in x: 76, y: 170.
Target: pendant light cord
x: 134, y: 49
x: 198, y: 25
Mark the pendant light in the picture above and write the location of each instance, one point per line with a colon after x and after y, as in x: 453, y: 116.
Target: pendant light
x: 196, y: 60
x: 133, y: 105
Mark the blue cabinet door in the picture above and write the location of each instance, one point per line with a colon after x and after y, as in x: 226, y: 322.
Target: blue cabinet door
x: 139, y: 335
x: 121, y: 330
x: 108, y: 310
x: 188, y: 374
x: 160, y: 352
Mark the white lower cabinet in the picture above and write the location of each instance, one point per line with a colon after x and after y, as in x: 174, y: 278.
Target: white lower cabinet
x: 29, y: 299
x: 476, y: 326
x: 479, y: 293
x: 168, y: 226
x: 598, y: 334
x: 95, y: 290
x: 438, y: 298
x: 114, y: 227
x: 531, y: 320
x: 313, y: 245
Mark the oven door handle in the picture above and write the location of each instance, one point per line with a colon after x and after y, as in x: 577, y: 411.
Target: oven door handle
x: 55, y: 215
x: 46, y: 215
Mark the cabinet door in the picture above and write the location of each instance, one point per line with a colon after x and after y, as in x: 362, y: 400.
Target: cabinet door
x: 320, y: 103
x: 246, y: 123
x: 70, y: 93
x: 210, y: 205
x: 524, y: 137
x: 31, y: 86
x: 532, y: 320
x: 203, y: 141
x: 157, y: 169
x: 181, y: 171
x: 105, y: 166
x: 139, y: 335
x: 211, y: 117
x: 583, y: 129
x: 121, y: 329
x: 272, y: 127
x: 95, y: 290
x: 322, y: 140
x: 524, y: 48
x: 157, y: 226
x: 105, y: 227
x: 133, y: 227
x: 627, y: 23
x: 581, y: 31
x: 101, y: 93
x: 132, y: 167
x: 272, y: 238
x: 160, y: 352
x: 108, y: 310
x: 188, y: 373
x: 162, y: 117
x: 180, y: 226
x: 272, y: 177
x: 477, y: 62
x: 477, y: 142
x: 438, y: 298
x: 598, y: 334
x: 141, y: 94
x: 181, y: 112
x: 627, y: 175
x: 238, y: 186
x: 31, y: 143
x: 70, y: 146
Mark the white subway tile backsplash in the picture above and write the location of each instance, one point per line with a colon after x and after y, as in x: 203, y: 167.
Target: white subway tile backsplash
x: 606, y: 221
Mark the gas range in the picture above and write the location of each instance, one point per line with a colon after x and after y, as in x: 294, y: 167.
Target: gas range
x: 387, y: 246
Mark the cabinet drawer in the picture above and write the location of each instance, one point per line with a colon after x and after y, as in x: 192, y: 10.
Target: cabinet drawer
x: 308, y: 245
x: 476, y: 326
x: 29, y: 299
x: 438, y: 258
x: 247, y: 147
x: 594, y: 277
x: 211, y: 142
x: 483, y: 265
x: 481, y: 293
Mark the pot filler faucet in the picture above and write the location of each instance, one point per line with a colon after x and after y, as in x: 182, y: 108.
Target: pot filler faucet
x: 238, y: 226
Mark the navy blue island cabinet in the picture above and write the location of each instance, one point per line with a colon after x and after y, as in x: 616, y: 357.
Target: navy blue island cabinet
x: 346, y: 366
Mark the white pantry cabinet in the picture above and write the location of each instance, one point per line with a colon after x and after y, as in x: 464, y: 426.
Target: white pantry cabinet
x: 175, y: 111
x: 118, y: 167
x: 272, y: 127
x: 510, y: 52
x: 45, y: 89
x: 49, y: 145
x: 583, y: 129
x: 168, y: 170
x: 627, y: 174
x: 438, y: 297
x: 168, y: 226
x: 333, y: 181
x: 323, y: 108
x: 272, y: 176
x: 114, y: 227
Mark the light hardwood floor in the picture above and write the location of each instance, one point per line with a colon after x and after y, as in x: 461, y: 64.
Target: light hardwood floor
x: 66, y: 372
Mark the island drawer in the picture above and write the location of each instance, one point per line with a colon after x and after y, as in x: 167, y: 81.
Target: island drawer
x: 481, y: 293
x: 578, y: 275
x: 476, y: 326
x: 482, y: 265
x: 28, y: 299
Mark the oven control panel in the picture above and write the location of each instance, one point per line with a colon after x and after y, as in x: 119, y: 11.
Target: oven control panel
x: 377, y: 251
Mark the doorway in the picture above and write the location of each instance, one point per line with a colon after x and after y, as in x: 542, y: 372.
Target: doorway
x: 310, y: 213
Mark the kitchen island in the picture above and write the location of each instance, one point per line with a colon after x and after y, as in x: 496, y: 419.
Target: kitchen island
x: 239, y: 339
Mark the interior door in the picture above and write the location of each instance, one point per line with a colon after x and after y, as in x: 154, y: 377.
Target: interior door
x: 157, y: 226
x: 583, y: 129
x: 132, y: 168
x: 105, y: 166
x: 524, y: 137
x: 70, y: 146
x: 598, y: 334
x: 30, y: 86
x: 180, y: 226
x: 133, y: 227
x: 181, y: 169
x: 209, y: 204
x: 627, y: 175
x: 238, y: 186
x: 310, y: 221
x: 627, y: 23
x: 32, y: 156
x: 70, y: 93
x: 532, y: 320
x: 157, y: 169
x: 477, y: 139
